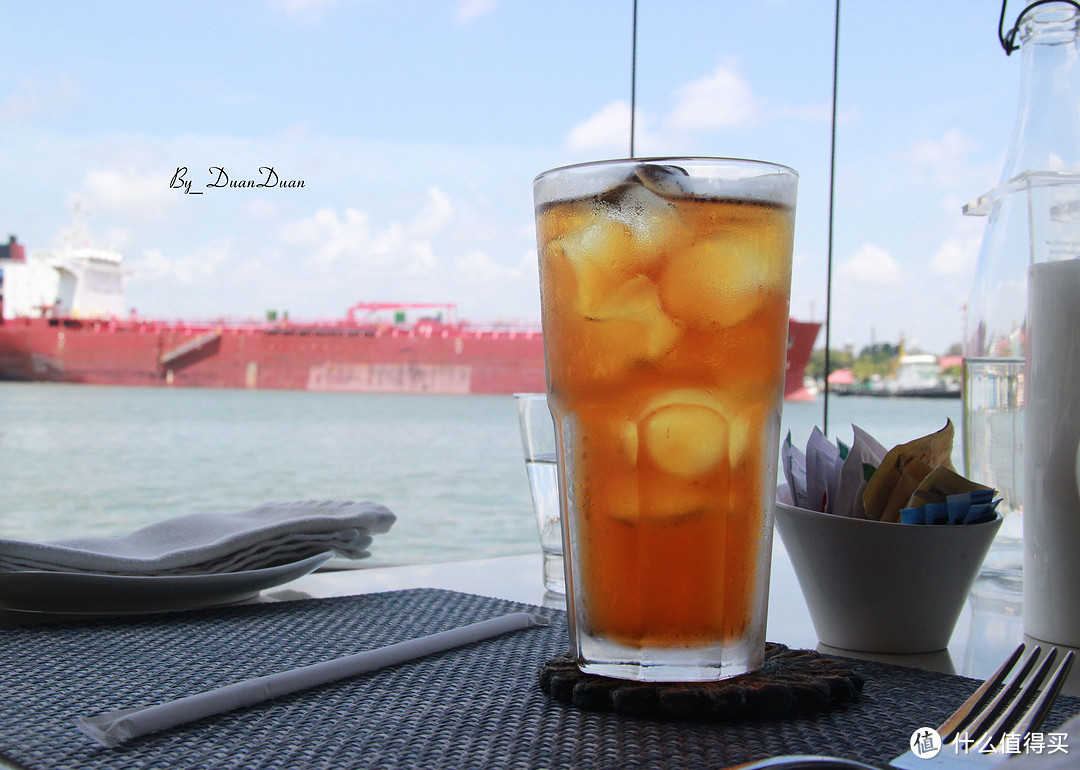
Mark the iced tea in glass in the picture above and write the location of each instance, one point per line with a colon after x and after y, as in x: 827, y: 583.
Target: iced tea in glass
x: 664, y: 298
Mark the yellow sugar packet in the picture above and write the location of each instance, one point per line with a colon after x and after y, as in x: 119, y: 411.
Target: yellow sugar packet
x: 938, y: 485
x: 934, y: 450
x: 914, y: 474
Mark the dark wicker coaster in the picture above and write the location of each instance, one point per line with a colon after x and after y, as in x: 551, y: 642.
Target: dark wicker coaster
x: 790, y: 682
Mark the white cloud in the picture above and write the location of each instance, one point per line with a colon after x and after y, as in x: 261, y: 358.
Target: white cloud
x: 436, y: 213
x: 722, y: 99
x: 871, y: 264
x: 478, y: 267
x: 117, y: 239
x: 946, y: 160
x: 511, y: 291
x: 188, y: 268
x: 306, y: 11
x: 261, y: 208
x: 329, y: 237
x: 608, y: 129
x: 956, y: 256
x: 130, y: 193
x: 951, y: 144
x: 33, y: 97
x: 468, y: 10
x: 816, y: 113
x: 958, y: 253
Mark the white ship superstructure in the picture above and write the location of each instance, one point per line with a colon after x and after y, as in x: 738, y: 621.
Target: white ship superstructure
x: 72, y: 282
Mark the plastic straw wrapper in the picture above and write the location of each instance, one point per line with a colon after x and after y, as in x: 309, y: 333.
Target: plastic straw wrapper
x: 115, y: 727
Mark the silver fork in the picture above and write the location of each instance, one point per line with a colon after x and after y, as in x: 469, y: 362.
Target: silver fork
x: 974, y: 736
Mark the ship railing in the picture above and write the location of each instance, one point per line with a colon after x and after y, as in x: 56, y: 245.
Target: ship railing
x: 498, y: 332
x: 419, y: 328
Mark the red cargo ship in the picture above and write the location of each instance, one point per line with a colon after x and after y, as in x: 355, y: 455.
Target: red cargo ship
x: 60, y: 321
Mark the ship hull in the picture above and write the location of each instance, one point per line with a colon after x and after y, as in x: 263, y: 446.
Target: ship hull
x: 427, y: 358
x: 286, y: 357
x: 801, y: 338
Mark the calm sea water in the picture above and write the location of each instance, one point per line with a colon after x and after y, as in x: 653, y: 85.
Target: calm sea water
x: 79, y: 460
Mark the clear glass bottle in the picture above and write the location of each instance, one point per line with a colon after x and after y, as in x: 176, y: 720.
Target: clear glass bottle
x: 1043, y: 155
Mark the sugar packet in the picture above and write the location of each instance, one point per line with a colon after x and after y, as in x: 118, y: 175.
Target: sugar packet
x: 912, y: 483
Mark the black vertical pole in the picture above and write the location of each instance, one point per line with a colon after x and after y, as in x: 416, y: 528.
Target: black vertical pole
x: 832, y: 190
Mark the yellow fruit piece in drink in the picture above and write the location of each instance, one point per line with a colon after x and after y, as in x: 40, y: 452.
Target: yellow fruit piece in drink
x: 588, y: 253
x: 602, y: 257
x: 656, y: 229
x: 673, y: 497
x: 745, y: 431
x: 733, y: 424
x: 722, y: 281
x: 685, y: 440
x: 626, y: 328
x: 693, y: 396
x: 627, y: 498
x: 610, y: 244
x: 628, y: 441
x: 561, y: 220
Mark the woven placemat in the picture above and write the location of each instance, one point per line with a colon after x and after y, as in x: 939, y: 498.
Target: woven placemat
x: 790, y: 682
x: 479, y: 706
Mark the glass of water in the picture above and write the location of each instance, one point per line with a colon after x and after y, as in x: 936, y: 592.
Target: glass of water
x: 538, y: 443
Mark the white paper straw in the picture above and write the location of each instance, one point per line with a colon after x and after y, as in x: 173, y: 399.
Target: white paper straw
x: 115, y: 727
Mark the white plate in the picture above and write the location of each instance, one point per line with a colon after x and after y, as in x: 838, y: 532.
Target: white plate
x: 91, y: 593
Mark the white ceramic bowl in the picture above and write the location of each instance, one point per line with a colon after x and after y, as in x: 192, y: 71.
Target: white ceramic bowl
x: 878, y: 587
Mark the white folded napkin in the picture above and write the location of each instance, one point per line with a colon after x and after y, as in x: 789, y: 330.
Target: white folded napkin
x: 206, y: 543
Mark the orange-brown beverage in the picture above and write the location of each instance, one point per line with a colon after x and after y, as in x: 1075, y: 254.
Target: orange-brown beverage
x: 664, y: 290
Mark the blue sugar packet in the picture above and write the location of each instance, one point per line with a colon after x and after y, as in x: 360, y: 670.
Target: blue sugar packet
x: 961, y: 506
x: 913, y: 515
x: 982, y: 512
x: 974, y: 496
x: 958, y: 506
x: 968, y: 508
x: 937, y: 513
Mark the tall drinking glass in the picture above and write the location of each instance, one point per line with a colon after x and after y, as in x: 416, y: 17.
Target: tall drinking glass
x: 664, y: 298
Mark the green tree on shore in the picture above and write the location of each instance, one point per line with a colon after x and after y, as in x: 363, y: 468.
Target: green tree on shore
x: 838, y: 359
x: 876, y: 359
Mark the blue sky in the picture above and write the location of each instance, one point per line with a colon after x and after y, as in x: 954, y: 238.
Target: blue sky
x: 417, y: 127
